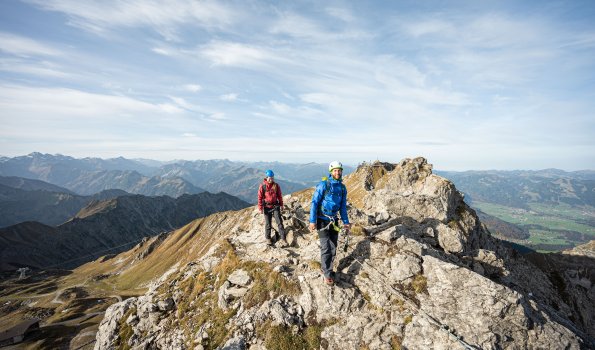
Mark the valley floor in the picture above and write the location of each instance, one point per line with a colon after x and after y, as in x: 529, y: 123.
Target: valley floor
x: 550, y: 227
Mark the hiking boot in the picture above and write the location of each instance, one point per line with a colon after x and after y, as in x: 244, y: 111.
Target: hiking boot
x: 269, y: 241
x: 329, y: 281
x: 335, y: 277
x: 283, y: 243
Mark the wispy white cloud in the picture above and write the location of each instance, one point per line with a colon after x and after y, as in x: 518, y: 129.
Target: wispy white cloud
x: 492, y: 50
x: 343, y: 14
x: 62, y: 103
x: 298, y: 26
x: 438, y: 27
x: 217, y: 116
x: 181, y: 102
x: 279, y: 107
x: 315, y: 31
x: 169, y: 108
x: 99, y: 17
x: 163, y: 51
x: 39, y: 69
x: 229, y: 97
x: 24, y: 46
x: 222, y: 53
x: 193, y: 87
x: 582, y: 40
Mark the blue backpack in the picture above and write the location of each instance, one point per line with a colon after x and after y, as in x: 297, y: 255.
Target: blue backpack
x: 331, y: 202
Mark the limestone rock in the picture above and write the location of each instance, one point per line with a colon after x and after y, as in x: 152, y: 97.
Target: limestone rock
x: 222, y: 297
x: 166, y: 305
x: 239, y: 278
x: 236, y: 292
x: 415, y: 192
x: 451, y: 240
x: 404, y: 266
x: 237, y: 343
x: 108, y: 328
x: 484, y: 313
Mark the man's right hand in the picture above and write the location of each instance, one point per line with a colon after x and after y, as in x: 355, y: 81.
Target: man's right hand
x: 312, y: 227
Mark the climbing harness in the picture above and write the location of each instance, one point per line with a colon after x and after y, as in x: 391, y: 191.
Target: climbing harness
x: 332, y: 223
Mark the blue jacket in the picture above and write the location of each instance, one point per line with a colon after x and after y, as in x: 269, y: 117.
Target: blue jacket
x: 331, y: 203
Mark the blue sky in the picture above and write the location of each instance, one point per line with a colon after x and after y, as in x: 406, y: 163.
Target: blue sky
x: 466, y: 84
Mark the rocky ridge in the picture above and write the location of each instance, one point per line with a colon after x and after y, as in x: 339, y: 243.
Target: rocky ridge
x: 420, y: 271
x: 33, y: 202
x: 111, y: 225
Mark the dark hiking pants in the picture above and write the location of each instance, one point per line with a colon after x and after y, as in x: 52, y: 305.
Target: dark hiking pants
x: 328, y: 246
x: 268, y: 214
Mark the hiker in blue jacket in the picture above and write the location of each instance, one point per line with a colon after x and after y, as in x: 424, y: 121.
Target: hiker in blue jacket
x: 329, y: 199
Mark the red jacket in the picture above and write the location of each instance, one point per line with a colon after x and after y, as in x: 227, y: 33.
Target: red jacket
x: 269, y: 195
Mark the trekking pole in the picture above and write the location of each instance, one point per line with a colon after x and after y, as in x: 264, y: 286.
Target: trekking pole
x: 347, y: 232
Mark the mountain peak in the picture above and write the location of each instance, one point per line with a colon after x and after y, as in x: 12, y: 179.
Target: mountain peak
x: 419, y: 271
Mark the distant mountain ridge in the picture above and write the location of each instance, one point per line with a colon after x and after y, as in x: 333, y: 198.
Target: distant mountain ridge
x: 31, y: 185
x: 519, y: 187
x: 112, y: 225
x: 132, y: 182
x: 223, y: 175
x: 38, y: 164
x: 45, y: 206
x: 90, y: 175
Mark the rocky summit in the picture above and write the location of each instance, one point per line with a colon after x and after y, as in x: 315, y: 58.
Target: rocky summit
x: 418, y: 271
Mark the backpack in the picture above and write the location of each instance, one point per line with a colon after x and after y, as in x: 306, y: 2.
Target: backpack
x: 327, y: 189
x: 263, y: 189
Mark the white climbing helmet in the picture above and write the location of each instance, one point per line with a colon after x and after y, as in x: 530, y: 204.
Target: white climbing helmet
x: 335, y: 165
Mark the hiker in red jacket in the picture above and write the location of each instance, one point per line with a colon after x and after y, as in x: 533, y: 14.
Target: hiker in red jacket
x: 270, y: 202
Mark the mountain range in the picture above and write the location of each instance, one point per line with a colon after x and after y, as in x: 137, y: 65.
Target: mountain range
x: 34, y: 200
x: 548, y: 210
x: 104, y: 226
x: 88, y: 176
x: 518, y: 188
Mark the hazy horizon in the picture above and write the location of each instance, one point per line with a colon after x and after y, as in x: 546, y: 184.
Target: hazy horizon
x: 289, y: 162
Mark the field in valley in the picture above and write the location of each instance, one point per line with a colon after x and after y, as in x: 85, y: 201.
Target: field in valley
x: 551, y: 227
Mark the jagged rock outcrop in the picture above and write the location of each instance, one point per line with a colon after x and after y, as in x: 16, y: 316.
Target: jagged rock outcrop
x: 419, y: 272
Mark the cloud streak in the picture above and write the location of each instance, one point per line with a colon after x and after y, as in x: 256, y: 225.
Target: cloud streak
x: 22, y: 46
x: 100, y: 17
